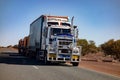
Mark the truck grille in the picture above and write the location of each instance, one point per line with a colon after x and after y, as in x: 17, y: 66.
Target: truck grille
x: 64, y: 51
x: 63, y: 45
x: 65, y: 41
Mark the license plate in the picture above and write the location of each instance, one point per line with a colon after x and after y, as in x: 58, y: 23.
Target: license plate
x: 75, y: 57
x: 64, y: 56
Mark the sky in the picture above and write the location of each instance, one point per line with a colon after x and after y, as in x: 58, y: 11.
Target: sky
x: 97, y: 20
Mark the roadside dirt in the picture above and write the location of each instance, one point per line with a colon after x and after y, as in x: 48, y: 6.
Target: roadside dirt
x: 8, y: 49
x: 106, y: 67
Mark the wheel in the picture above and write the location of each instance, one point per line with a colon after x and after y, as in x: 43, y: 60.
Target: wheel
x: 27, y: 52
x: 37, y: 56
x: 19, y: 51
x: 45, y: 59
x: 75, y: 63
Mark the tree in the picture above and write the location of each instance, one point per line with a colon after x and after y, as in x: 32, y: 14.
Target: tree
x: 116, y: 49
x: 112, y: 47
x: 87, y: 47
x: 15, y: 46
x: 92, y: 47
x: 9, y: 46
x: 107, y: 47
x: 84, y: 44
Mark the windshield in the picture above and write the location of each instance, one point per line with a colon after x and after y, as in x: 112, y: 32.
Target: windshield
x: 55, y: 31
x: 52, y: 23
x: 65, y: 24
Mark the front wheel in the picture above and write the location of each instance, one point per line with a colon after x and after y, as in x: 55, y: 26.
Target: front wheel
x: 45, y: 60
x: 75, y: 63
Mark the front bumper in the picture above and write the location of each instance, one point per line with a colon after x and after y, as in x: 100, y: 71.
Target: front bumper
x: 63, y: 58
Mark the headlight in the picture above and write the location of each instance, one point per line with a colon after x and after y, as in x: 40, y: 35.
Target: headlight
x: 69, y: 51
x: 76, y: 50
x: 51, y: 49
x: 59, y: 51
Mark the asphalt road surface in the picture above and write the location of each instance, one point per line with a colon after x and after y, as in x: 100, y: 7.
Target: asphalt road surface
x: 14, y: 66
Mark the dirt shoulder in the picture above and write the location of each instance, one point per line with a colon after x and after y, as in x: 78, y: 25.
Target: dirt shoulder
x: 106, y: 67
x: 8, y: 49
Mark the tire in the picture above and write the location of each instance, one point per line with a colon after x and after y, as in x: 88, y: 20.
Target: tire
x: 45, y: 59
x: 37, y: 58
x: 75, y: 63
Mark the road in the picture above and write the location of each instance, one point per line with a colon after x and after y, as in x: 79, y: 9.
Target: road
x: 14, y: 66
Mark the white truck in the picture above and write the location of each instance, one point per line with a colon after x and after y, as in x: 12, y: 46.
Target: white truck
x: 53, y: 39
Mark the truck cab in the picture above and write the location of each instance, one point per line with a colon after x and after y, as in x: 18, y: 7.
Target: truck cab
x: 61, y: 42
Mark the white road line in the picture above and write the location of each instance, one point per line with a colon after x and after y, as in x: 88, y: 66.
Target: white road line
x: 35, y: 67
